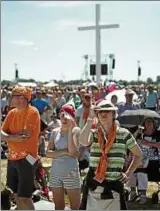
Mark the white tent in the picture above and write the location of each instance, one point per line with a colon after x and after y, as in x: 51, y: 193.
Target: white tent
x: 92, y: 84
x: 85, y: 84
x: 51, y: 84
x: 27, y: 84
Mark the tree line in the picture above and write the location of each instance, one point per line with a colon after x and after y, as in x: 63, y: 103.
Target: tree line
x: 80, y: 81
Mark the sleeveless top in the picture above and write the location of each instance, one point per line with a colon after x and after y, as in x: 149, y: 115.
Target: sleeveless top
x: 63, y: 165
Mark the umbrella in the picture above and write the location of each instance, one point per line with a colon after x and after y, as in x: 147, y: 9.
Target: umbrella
x: 121, y: 95
x: 136, y: 117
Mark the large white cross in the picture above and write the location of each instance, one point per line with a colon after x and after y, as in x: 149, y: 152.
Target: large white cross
x: 98, y: 28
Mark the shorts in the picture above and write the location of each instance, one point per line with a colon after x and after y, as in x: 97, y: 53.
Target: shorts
x: 20, y: 177
x: 67, y: 182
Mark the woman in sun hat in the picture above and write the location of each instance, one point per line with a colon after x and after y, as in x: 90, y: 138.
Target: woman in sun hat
x: 63, y: 148
x: 108, y: 143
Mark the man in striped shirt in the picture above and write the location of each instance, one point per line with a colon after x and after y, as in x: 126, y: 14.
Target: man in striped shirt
x: 109, y: 144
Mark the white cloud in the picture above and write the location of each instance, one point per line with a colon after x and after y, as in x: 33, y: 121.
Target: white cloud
x: 50, y: 4
x: 22, y: 42
x: 35, y: 49
x: 66, y: 23
x: 64, y: 4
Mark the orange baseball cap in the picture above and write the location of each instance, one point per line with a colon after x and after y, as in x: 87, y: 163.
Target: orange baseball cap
x: 24, y: 91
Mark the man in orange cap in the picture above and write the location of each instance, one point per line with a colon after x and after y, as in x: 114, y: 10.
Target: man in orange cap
x: 21, y: 130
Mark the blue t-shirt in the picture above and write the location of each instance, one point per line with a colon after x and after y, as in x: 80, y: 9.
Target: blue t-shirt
x: 151, y: 99
x: 40, y: 104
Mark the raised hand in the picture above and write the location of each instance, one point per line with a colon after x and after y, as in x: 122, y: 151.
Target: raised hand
x: 92, y: 113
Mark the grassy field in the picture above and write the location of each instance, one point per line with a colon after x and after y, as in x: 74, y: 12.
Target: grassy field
x: 152, y: 187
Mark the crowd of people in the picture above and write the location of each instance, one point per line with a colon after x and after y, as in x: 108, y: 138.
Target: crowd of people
x: 79, y: 129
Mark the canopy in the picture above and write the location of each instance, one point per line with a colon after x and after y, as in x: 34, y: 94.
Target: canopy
x: 27, y: 84
x: 92, y: 84
x: 51, y: 84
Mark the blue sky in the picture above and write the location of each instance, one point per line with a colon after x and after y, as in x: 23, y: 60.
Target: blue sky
x: 42, y: 38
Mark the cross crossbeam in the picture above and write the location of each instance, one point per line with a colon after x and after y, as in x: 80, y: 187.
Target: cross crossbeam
x: 97, y: 29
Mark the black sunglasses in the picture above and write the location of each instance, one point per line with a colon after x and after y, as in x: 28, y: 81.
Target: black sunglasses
x: 17, y: 96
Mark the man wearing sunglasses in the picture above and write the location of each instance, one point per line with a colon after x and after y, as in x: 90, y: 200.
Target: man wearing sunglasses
x: 21, y: 130
x: 108, y: 147
x: 129, y: 104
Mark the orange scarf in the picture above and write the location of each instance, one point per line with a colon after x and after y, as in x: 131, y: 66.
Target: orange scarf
x: 102, y: 166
